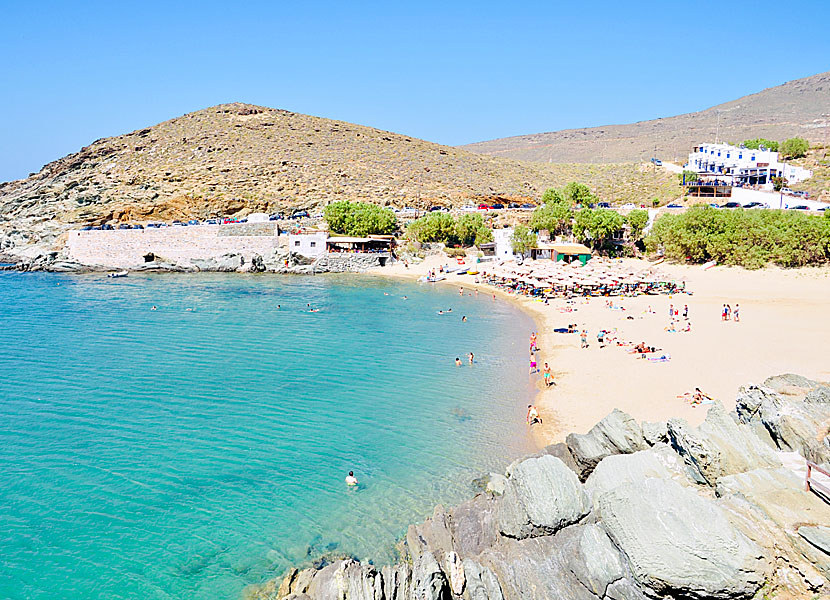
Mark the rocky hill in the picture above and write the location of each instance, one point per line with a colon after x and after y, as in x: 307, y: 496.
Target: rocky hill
x: 628, y: 511
x: 235, y: 159
x: 792, y: 109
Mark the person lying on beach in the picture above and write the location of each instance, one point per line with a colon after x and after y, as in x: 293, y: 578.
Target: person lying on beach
x: 696, y: 397
x: 533, y: 415
x: 351, y: 480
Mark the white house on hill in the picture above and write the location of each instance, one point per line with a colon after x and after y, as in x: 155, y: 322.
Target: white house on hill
x: 743, y: 166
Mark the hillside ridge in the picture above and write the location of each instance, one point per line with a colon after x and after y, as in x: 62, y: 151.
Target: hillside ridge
x: 794, y: 108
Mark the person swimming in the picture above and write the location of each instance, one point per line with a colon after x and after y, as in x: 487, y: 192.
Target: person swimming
x: 351, y: 480
x: 153, y: 307
x: 457, y: 362
x: 464, y: 319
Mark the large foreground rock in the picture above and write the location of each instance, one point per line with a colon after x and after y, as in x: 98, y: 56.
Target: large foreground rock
x: 678, y: 543
x: 719, y: 446
x: 659, y: 462
x: 617, y: 433
x: 541, y: 497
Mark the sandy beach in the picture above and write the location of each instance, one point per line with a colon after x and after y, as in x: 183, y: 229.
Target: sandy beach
x: 784, y: 327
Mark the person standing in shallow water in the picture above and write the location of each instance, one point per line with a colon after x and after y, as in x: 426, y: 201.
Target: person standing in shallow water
x: 351, y: 480
x: 533, y: 367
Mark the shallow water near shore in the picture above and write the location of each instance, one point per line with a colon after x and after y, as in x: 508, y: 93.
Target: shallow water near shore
x: 177, y: 453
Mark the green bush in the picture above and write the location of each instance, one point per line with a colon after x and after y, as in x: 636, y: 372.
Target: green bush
x: 471, y: 230
x: 749, y: 238
x: 554, y: 216
x: 795, y: 147
x: 756, y: 143
x: 359, y: 218
x: 596, y: 226
x: 637, y: 220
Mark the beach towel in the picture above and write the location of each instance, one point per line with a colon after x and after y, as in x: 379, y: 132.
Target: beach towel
x: 662, y: 358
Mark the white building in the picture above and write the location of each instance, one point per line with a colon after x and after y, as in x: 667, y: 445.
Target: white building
x: 743, y: 166
x: 310, y: 244
x: 501, y: 237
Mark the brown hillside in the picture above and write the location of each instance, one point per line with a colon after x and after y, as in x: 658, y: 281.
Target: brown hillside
x: 792, y: 109
x: 235, y: 159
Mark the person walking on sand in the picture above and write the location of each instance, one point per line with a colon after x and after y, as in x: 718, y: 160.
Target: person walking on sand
x: 533, y: 415
x: 548, y: 376
x: 737, y: 313
x: 584, y: 338
x: 723, y: 313
x: 351, y: 480
x: 671, y: 310
x: 533, y: 367
x: 533, y: 345
x: 728, y: 312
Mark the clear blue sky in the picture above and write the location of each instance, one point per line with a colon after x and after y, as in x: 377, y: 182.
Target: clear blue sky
x: 447, y: 72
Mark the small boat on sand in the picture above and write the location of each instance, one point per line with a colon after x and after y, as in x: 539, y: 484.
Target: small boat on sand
x: 118, y: 274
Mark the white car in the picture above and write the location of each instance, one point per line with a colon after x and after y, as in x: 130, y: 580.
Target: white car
x: 628, y: 206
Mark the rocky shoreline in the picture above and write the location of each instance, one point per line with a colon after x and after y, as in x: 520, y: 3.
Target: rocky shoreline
x: 627, y: 511
x: 279, y: 261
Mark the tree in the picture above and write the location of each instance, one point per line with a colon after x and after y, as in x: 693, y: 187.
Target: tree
x: 552, y: 195
x: 795, y: 147
x: 690, y: 177
x: 756, y: 143
x: 471, y: 230
x: 554, y: 216
x: 434, y: 227
x: 359, y: 218
x: 637, y: 220
x: 595, y: 226
x: 522, y: 240
x: 778, y: 183
x: 578, y: 193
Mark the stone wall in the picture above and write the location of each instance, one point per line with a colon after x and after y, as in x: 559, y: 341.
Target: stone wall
x: 349, y: 263
x: 127, y: 248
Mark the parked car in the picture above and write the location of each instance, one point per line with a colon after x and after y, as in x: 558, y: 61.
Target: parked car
x: 193, y: 222
x: 674, y: 205
x: 212, y: 222
x: 604, y: 205
x: 87, y: 228
x: 657, y: 162
x: 107, y: 227
x: 153, y: 225
x: 497, y: 206
x: 483, y: 207
x: 178, y: 224
x: 528, y: 205
x: 799, y: 207
x: 713, y: 205
x: 138, y: 226
x: 754, y: 205
x: 436, y: 208
x: 124, y: 226
x: 513, y: 205
x: 299, y: 214
x: 786, y: 190
x: 822, y: 209
x: 629, y: 205
x: 468, y: 208
x: 802, y: 194
x: 732, y: 205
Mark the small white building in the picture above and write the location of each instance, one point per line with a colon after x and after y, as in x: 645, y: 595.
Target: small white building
x: 310, y: 244
x: 743, y: 166
x: 258, y: 218
x: 504, y: 250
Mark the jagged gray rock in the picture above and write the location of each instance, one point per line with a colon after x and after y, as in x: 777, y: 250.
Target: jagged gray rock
x: 719, y: 446
x: 541, y: 497
x: 781, y: 383
x: 617, y: 433
x: 226, y: 263
x: 563, y: 453
x: 428, y: 580
x: 791, y: 423
x: 680, y: 544
x: 482, y: 583
x: 818, y: 536
x: 818, y: 395
x: 660, y: 462
x: 655, y: 433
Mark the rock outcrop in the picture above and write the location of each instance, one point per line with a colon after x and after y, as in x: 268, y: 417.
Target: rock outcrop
x: 717, y: 512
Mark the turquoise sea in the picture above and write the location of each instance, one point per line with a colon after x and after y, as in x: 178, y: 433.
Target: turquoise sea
x: 196, y: 449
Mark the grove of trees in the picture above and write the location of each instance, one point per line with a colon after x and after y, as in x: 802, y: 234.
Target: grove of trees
x: 439, y: 226
x: 522, y: 239
x: 359, y: 218
x: 749, y: 238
